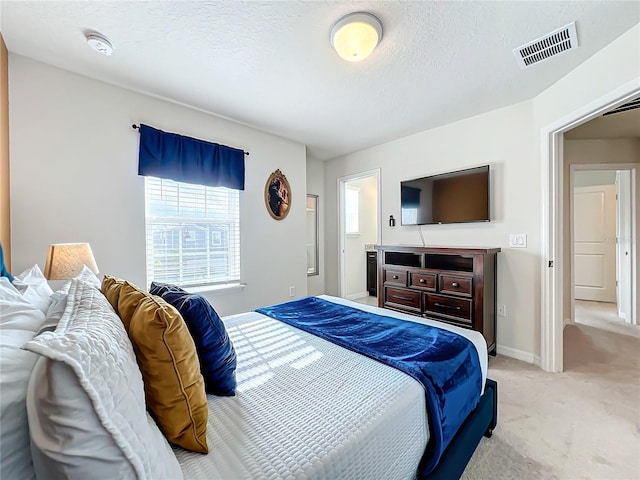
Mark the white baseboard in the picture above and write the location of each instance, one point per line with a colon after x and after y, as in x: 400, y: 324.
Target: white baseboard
x: 356, y: 296
x: 518, y: 354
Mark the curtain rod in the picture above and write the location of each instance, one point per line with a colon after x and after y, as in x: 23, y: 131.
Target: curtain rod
x: 136, y: 127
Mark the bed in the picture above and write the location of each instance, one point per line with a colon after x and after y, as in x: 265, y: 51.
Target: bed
x: 353, y: 433
x: 303, y: 407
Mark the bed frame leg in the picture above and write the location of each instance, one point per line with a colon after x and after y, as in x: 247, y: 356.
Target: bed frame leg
x: 494, y: 421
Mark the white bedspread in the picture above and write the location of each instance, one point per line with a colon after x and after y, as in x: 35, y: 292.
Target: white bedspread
x: 308, y: 409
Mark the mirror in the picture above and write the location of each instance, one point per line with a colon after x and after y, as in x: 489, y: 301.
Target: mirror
x: 312, y: 235
x: 277, y: 195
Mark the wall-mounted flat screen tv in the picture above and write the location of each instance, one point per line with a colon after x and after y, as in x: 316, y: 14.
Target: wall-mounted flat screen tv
x: 453, y: 197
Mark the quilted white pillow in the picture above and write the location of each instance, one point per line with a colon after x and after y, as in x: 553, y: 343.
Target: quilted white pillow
x: 54, y: 392
x: 86, y: 275
x: 19, y: 322
x: 58, y: 299
x: 91, y: 342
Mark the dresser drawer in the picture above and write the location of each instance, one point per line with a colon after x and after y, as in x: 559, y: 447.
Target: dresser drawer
x: 456, y: 285
x: 449, y: 306
x: 408, y: 299
x: 395, y: 277
x: 424, y: 281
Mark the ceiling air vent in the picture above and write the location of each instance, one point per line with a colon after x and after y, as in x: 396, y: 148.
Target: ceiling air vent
x: 556, y: 42
x: 632, y: 105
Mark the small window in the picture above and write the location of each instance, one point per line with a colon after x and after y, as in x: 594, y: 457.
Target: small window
x: 352, y: 210
x: 193, y: 233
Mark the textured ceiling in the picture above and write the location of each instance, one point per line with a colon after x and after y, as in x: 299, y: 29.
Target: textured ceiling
x: 269, y: 64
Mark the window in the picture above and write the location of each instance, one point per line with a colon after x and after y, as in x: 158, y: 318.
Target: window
x: 193, y: 233
x: 352, y: 208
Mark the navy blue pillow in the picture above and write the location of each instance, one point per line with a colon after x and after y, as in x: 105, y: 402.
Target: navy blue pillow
x: 215, y: 350
x: 160, y: 289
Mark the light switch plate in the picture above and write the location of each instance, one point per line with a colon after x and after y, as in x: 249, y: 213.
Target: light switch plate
x: 518, y: 240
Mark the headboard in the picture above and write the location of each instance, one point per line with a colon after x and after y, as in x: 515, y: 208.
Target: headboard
x: 5, y: 229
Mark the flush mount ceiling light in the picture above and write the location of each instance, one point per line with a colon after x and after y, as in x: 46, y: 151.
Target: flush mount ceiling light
x: 99, y: 43
x: 355, y: 36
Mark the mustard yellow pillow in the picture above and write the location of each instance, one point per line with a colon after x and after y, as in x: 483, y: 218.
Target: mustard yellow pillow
x: 128, y: 300
x: 170, y: 369
x: 110, y: 288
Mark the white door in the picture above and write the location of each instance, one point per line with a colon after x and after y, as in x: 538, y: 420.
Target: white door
x: 594, y: 248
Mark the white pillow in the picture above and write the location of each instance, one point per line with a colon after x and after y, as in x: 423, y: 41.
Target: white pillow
x: 91, y: 342
x: 34, y: 287
x: 8, y: 291
x: 19, y: 322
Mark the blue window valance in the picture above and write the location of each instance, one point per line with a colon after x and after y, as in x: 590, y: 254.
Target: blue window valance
x: 185, y: 159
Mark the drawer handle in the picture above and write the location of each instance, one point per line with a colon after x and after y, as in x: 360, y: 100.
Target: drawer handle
x: 422, y: 280
x: 395, y: 277
x: 455, y: 284
x: 451, y: 307
x: 400, y: 297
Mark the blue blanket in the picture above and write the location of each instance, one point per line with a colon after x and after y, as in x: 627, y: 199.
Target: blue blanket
x: 445, y: 363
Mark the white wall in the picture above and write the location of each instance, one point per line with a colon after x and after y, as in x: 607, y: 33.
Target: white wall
x: 74, y: 178
x: 509, y: 140
x: 315, y: 185
x: 601, y: 151
x: 502, y: 139
x: 589, y: 178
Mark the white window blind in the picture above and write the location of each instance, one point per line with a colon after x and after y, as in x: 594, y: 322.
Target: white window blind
x: 193, y: 233
x: 352, y: 209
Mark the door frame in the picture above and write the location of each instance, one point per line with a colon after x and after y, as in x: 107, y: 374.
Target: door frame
x: 633, y: 168
x: 342, y: 181
x: 626, y: 222
x: 552, y: 218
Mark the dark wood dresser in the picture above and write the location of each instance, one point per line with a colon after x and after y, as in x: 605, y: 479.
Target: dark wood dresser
x: 452, y: 285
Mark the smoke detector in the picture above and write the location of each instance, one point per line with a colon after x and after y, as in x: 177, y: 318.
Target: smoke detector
x: 552, y: 44
x: 99, y: 43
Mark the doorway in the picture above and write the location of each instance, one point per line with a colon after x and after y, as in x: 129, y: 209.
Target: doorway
x: 602, y: 236
x: 554, y: 297
x: 359, y: 209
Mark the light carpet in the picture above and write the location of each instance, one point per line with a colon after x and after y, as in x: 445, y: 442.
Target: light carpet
x: 604, y: 316
x: 583, y: 423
